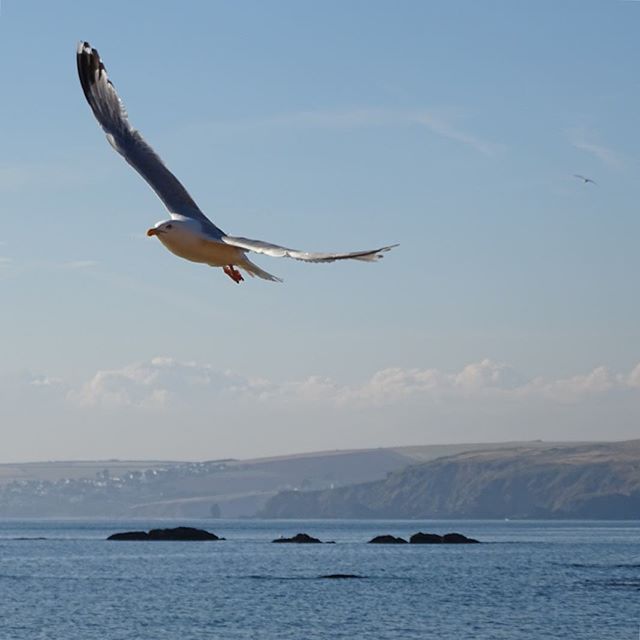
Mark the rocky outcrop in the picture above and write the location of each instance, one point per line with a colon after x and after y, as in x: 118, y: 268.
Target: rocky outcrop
x: 387, y: 539
x: 299, y: 538
x: 177, y: 533
x: 129, y: 535
x: 434, y: 538
x: 425, y: 538
x: 457, y: 538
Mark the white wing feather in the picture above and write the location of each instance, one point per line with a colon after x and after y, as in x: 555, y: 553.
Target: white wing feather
x: 276, y: 251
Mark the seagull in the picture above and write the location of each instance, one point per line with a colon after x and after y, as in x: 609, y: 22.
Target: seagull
x: 188, y: 233
x: 584, y: 179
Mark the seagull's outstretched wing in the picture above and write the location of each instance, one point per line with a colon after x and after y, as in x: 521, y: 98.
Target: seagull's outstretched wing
x: 112, y: 116
x: 275, y: 251
x: 584, y: 178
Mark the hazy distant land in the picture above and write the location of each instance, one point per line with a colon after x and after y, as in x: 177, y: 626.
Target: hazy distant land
x: 599, y: 481
x: 503, y: 480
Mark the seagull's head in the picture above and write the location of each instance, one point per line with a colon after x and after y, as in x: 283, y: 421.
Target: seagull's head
x: 162, y: 228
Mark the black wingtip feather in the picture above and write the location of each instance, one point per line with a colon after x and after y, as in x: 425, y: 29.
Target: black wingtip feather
x: 90, y: 65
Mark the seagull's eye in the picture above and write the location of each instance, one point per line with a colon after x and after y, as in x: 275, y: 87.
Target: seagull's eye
x: 168, y: 226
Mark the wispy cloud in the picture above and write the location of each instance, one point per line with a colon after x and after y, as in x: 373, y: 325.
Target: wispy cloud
x: 158, y: 383
x: 584, y: 140
x: 441, y: 123
x: 444, y: 128
x: 51, y: 175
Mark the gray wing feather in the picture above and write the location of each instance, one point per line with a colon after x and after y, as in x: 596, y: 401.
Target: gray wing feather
x: 127, y: 141
x: 276, y: 251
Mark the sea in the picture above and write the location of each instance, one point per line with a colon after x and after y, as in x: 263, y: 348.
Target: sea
x: 62, y: 580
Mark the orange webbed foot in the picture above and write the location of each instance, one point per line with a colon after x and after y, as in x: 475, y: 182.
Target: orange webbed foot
x: 233, y: 273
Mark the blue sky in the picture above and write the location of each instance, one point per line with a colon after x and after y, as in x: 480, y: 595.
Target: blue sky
x: 510, y: 310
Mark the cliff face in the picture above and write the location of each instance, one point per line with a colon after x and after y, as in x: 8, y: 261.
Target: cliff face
x: 600, y: 481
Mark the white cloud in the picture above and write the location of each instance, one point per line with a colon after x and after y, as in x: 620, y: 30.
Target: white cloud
x: 488, y: 374
x: 163, y: 381
x: 165, y: 408
x: 40, y: 380
x: 583, y: 140
x: 25, y: 390
x: 394, y: 384
x: 600, y: 380
x: 153, y: 384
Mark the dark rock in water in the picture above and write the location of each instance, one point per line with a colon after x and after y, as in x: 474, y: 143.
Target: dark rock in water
x: 129, y: 535
x: 342, y: 576
x: 457, y: 538
x: 425, y: 538
x: 182, y: 533
x: 300, y: 538
x: 434, y: 538
x: 177, y: 533
x: 387, y: 539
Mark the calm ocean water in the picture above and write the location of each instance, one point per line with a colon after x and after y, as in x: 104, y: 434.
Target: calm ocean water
x: 568, y: 580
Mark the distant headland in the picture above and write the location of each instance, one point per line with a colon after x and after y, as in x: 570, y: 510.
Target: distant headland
x: 514, y: 480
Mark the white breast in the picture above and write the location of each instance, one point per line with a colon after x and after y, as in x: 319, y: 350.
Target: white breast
x: 194, y: 247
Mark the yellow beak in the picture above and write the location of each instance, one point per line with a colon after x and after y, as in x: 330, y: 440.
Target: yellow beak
x: 152, y: 232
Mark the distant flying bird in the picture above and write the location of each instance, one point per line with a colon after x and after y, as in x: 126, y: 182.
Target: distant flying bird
x: 584, y: 179
x: 189, y: 233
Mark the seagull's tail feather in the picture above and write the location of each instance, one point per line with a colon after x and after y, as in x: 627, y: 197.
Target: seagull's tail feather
x: 254, y: 270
